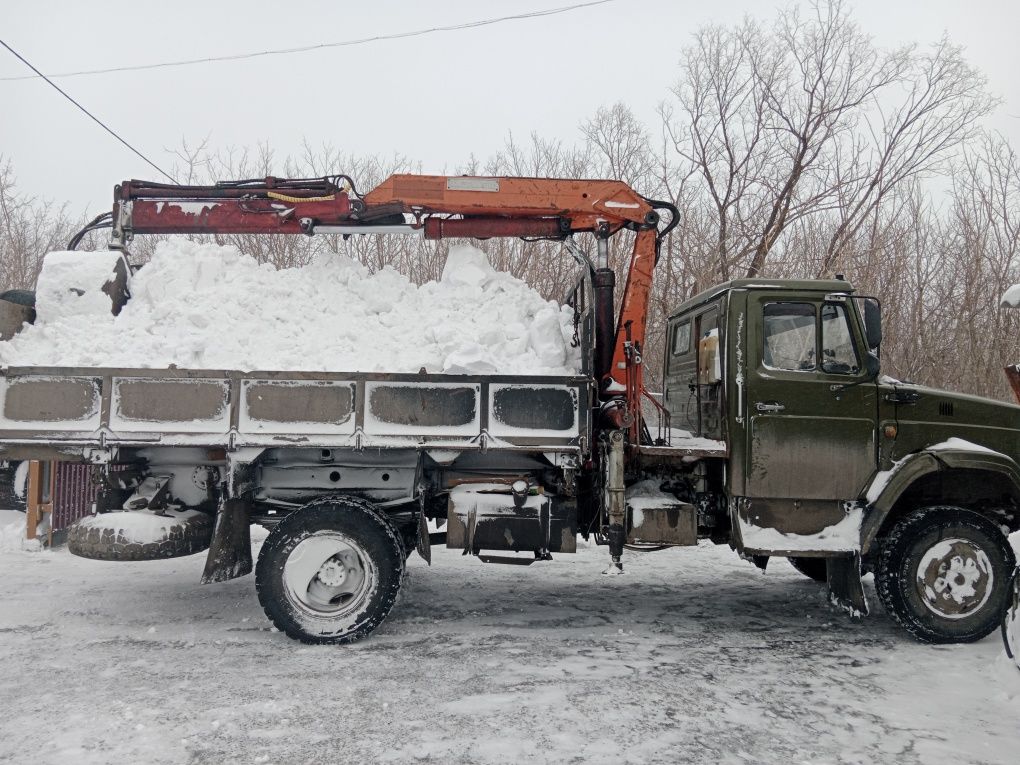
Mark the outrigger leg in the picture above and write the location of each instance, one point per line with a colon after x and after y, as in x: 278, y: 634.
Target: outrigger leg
x: 616, y: 502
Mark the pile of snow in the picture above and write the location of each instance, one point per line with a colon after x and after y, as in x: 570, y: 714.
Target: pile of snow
x: 72, y: 284
x: 1011, y: 297
x: 12, y: 532
x: 205, y: 306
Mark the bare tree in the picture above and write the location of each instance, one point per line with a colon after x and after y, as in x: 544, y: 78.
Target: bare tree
x: 912, y: 136
x: 809, y: 117
x: 29, y: 228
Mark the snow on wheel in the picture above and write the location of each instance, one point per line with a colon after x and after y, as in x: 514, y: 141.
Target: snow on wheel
x: 1011, y: 621
x: 943, y: 574
x: 330, y: 571
x: 140, y: 535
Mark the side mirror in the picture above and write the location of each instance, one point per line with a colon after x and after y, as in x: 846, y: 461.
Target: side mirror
x: 873, y: 323
x: 872, y: 365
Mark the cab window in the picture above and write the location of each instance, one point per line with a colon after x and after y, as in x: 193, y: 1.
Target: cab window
x: 838, y: 353
x: 682, y: 338
x: 790, y: 336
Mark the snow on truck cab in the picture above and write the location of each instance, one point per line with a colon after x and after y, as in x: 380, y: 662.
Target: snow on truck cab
x: 775, y: 433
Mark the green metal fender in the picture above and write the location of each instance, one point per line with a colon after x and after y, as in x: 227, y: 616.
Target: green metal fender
x: 886, y: 487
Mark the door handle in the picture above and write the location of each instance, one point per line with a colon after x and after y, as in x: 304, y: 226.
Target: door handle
x: 769, y: 406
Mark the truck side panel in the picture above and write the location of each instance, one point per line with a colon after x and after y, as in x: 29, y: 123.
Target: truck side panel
x: 76, y: 410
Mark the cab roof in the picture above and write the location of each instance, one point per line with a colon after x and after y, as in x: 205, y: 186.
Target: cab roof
x: 793, y: 285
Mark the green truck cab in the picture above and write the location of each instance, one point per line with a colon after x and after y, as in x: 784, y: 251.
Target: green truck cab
x: 839, y: 468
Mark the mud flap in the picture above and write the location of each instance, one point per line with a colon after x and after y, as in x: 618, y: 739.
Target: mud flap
x: 1011, y: 621
x: 230, y: 551
x: 424, y: 540
x: 846, y: 591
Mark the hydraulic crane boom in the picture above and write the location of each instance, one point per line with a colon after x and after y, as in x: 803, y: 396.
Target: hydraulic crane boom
x: 440, y: 207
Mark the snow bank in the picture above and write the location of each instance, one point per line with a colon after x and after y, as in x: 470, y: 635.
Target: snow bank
x: 209, y: 306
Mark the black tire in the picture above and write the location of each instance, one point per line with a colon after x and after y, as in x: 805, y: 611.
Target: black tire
x: 312, y: 609
x: 912, y: 581
x: 812, y: 568
x: 98, y: 537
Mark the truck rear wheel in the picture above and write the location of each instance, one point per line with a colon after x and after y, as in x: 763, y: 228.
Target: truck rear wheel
x: 330, y: 572
x: 943, y: 574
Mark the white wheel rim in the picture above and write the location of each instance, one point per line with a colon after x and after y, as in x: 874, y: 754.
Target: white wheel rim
x: 955, y: 578
x: 328, y: 575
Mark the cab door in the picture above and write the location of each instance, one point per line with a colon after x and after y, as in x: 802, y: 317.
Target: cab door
x: 810, y: 409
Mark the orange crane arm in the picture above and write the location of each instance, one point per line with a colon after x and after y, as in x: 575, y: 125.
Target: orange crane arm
x: 442, y: 207
x: 586, y: 204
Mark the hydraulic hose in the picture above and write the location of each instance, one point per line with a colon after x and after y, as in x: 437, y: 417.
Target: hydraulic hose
x: 674, y: 220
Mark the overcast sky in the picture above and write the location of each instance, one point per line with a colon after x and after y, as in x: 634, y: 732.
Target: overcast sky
x: 435, y: 98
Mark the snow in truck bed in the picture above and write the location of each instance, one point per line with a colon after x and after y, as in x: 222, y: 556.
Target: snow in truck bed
x: 205, y: 306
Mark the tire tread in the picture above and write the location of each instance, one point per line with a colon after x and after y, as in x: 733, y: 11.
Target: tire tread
x: 295, y: 523
x: 887, y: 575
x: 191, y: 536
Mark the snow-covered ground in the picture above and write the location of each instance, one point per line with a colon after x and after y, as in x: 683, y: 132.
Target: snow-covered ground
x: 693, y: 656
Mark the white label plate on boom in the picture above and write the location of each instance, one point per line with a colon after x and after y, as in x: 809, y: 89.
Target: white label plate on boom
x: 472, y: 184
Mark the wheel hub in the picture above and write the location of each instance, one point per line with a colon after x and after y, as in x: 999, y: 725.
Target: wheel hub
x: 954, y: 578
x: 327, y: 574
x: 332, y: 573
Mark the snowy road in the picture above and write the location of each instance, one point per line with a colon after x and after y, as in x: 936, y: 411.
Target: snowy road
x: 693, y: 656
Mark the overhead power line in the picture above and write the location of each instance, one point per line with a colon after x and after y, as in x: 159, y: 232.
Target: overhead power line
x: 94, y: 118
x: 322, y: 46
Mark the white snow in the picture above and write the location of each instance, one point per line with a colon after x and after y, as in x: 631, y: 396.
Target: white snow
x: 12, y: 532
x: 843, y: 536
x: 139, y: 526
x: 646, y: 495
x: 204, y: 306
x: 882, y: 477
x: 684, y: 439
x: 20, y: 480
x: 692, y: 656
x: 1011, y: 297
x: 959, y: 444
x: 881, y: 480
x: 70, y: 286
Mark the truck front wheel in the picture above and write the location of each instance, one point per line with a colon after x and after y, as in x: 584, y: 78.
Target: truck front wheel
x: 330, y: 571
x: 943, y: 574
